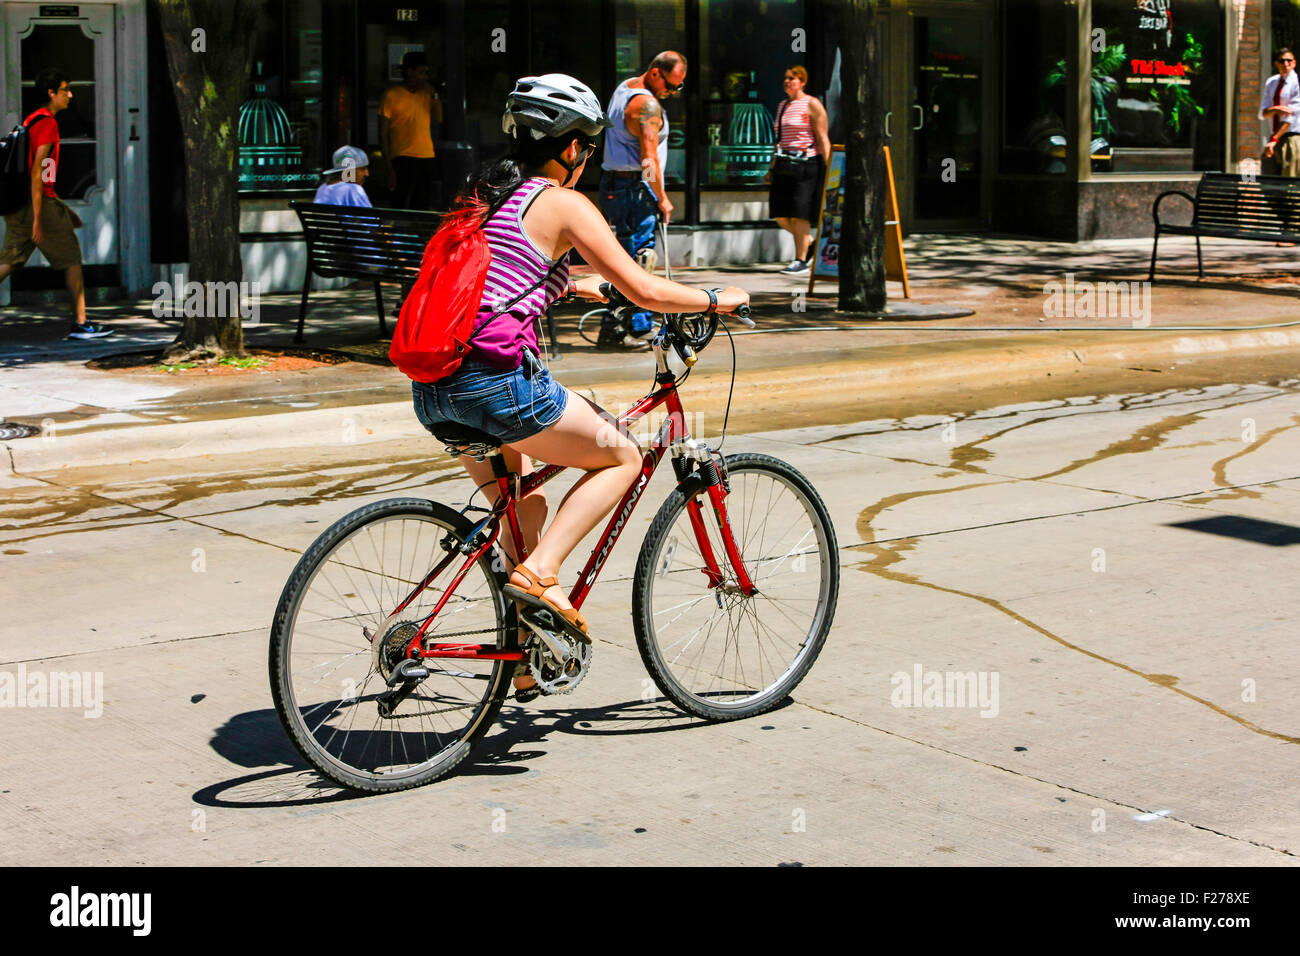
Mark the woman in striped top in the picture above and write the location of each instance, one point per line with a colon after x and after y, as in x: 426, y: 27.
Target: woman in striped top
x: 802, y: 151
x: 502, y: 388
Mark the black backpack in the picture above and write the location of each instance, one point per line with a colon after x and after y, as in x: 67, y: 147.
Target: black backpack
x: 15, y: 175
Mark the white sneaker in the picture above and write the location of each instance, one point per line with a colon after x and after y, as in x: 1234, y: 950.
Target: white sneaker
x: 795, y: 267
x: 631, y: 342
x: 89, y: 331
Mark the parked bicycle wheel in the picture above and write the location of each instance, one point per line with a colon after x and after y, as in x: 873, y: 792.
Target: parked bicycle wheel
x: 590, y: 324
x: 716, y: 652
x: 336, y: 640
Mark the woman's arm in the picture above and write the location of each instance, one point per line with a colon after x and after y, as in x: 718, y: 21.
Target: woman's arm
x: 819, y: 122
x: 584, y: 228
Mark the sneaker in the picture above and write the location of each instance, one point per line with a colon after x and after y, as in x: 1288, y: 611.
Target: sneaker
x: 632, y: 342
x: 795, y: 267
x: 89, y: 331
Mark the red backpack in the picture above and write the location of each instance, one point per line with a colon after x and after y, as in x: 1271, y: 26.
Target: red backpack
x: 437, y: 319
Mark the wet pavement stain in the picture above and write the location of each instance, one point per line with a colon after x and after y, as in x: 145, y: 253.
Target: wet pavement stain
x: 1144, y: 439
x: 1220, y: 468
x: 882, y: 556
x: 65, y: 504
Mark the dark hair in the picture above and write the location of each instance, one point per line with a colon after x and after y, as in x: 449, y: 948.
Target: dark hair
x: 50, y: 78
x: 413, y: 59
x: 1278, y: 54
x: 496, y: 181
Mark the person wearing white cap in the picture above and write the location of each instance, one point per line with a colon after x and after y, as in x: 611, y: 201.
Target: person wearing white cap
x: 342, y: 186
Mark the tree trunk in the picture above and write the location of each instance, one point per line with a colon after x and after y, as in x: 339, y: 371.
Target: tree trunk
x: 209, y: 55
x: 862, y: 229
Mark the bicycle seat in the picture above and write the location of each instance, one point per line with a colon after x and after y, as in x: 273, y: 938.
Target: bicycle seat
x: 465, y: 440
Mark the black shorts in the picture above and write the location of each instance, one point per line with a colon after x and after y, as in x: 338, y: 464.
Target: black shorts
x: 798, y: 196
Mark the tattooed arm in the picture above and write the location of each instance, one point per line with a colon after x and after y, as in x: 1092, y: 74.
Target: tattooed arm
x: 645, y: 118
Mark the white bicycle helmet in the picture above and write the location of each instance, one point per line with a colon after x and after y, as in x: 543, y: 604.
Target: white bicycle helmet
x: 552, y: 105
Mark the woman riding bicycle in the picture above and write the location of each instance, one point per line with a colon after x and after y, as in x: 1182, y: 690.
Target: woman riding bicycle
x: 501, y: 388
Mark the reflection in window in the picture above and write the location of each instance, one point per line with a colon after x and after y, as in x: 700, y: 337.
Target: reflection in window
x: 1156, y: 102
x: 1033, y: 125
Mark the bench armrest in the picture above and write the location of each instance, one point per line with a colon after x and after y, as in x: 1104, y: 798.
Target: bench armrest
x: 1155, y: 207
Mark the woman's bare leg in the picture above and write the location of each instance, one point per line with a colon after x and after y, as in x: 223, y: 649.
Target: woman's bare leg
x: 530, y: 510
x: 802, y: 231
x: 612, y: 460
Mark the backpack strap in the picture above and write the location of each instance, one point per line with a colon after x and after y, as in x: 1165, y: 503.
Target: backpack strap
x: 523, y: 295
x: 779, y: 114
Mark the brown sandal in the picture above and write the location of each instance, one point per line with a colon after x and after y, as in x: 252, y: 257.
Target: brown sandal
x: 568, y: 618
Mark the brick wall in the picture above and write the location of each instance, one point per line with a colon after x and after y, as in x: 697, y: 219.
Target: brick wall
x: 1250, y: 34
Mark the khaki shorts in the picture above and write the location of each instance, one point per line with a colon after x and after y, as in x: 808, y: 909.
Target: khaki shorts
x: 1285, y: 160
x: 60, y: 246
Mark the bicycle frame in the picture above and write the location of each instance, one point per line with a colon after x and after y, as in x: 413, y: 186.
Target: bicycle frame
x: 512, y: 488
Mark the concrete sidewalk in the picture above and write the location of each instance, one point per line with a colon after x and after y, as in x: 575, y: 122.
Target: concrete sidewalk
x: 1008, y: 319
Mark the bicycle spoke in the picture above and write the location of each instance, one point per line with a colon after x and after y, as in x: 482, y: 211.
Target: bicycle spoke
x: 738, y: 653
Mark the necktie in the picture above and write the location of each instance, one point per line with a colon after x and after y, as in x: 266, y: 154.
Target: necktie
x: 1277, y: 101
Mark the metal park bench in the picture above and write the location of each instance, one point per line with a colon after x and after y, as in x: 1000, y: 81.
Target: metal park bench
x: 1265, y: 208
x: 381, y: 245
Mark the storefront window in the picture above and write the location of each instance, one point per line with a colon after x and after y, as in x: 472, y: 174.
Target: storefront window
x: 281, y: 124
x: 749, y: 46
x: 1156, y: 76
x: 643, y: 29
x: 1034, y: 87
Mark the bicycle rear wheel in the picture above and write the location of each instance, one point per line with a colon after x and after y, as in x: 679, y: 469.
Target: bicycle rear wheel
x: 336, y: 640
x: 714, y: 651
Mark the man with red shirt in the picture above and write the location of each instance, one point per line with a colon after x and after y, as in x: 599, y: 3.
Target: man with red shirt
x: 46, y: 223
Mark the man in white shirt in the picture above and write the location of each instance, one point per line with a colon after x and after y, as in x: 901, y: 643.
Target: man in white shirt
x: 1280, y: 104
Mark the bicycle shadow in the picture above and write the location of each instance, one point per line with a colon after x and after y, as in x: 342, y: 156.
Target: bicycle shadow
x: 255, y: 739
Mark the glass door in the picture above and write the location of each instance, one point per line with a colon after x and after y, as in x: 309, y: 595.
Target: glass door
x: 946, y: 116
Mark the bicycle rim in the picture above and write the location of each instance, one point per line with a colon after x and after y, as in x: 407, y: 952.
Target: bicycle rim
x: 715, y: 651
x: 337, y: 639
x: 592, y: 319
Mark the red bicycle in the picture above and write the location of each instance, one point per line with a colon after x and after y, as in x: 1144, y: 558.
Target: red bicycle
x: 393, y: 646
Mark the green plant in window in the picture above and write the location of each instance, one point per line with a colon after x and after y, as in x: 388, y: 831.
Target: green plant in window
x: 1104, y: 66
x: 1175, y: 98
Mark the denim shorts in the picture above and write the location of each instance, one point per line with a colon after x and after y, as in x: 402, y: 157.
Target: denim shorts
x: 509, y: 405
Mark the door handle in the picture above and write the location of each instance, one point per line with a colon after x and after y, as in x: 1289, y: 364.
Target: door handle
x: 920, y: 115
x: 887, y: 132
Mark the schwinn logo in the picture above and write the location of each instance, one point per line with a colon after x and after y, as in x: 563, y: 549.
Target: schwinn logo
x: 618, y: 527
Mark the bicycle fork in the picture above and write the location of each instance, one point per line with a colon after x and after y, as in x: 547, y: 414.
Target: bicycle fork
x: 709, y: 477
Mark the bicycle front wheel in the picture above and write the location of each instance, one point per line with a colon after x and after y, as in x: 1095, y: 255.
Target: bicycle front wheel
x: 338, y: 638
x: 715, y: 651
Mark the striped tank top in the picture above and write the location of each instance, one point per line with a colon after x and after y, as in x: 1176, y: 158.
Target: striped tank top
x: 795, y: 125
x: 516, y: 265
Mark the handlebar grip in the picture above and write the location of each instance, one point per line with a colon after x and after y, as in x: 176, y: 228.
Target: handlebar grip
x: 742, y: 315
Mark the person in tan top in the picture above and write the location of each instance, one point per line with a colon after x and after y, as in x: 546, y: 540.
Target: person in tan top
x: 405, y: 134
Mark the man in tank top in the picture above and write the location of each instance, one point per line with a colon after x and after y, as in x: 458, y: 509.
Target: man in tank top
x: 632, y: 184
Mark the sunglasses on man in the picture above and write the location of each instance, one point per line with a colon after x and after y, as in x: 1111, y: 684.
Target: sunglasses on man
x: 670, y: 87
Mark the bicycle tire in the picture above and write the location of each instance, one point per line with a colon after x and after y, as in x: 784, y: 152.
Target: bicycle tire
x: 290, y: 670
x: 655, y: 570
